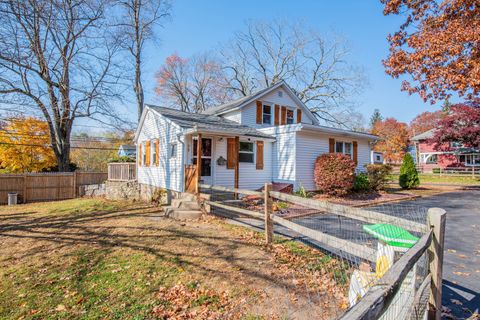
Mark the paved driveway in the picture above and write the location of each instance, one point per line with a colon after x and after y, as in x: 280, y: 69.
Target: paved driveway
x: 461, y: 289
x: 461, y: 272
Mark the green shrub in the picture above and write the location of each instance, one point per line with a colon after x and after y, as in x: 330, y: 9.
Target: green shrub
x: 436, y: 170
x: 301, y: 192
x: 334, y: 174
x: 408, y: 173
x: 122, y: 159
x: 378, y: 175
x: 361, y: 182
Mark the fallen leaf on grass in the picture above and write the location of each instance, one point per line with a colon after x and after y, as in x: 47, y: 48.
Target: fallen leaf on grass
x: 60, y: 308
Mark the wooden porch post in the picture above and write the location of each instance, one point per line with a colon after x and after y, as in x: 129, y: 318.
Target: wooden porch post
x: 237, y: 148
x: 199, y: 163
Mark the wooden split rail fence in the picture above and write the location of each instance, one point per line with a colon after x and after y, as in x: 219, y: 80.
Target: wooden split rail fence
x: 378, y: 300
x: 47, y: 186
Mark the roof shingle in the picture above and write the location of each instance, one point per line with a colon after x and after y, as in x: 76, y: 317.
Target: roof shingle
x: 207, y: 122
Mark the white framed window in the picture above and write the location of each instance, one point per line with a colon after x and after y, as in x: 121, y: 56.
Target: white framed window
x: 289, y: 116
x: 344, y: 147
x: 153, y: 151
x: 144, y: 154
x: 267, y: 114
x: 173, y: 150
x: 472, y: 160
x: 245, y: 153
x: 433, y: 159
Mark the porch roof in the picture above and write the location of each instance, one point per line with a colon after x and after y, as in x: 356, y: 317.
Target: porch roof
x: 204, y: 123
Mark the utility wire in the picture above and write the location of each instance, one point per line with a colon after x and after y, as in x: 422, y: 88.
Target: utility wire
x: 49, y: 145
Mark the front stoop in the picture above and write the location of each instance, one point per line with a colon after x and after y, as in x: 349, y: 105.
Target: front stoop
x: 184, y: 208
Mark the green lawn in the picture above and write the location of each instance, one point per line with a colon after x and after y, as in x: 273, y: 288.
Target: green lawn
x: 99, y: 259
x: 426, y: 178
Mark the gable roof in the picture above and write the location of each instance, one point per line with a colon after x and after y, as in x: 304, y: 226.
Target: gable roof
x: 424, y: 135
x: 206, y: 123
x: 239, y: 103
x: 127, y: 147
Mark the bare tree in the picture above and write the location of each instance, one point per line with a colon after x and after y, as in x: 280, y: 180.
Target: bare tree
x: 57, y: 59
x: 192, y: 85
x: 316, y: 69
x: 137, y: 23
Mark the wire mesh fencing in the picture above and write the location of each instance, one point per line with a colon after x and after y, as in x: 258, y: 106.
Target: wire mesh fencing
x: 348, y: 257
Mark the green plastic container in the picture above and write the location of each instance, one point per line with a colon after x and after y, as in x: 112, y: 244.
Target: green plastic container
x: 391, y: 235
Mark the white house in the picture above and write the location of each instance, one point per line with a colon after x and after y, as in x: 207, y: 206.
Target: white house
x: 270, y: 136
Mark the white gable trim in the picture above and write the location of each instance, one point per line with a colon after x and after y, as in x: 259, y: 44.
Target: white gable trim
x: 272, y: 88
x: 147, y: 109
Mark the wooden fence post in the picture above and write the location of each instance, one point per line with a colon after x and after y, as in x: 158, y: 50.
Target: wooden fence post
x: 74, y: 184
x: 268, y: 211
x: 436, y: 221
x: 25, y: 188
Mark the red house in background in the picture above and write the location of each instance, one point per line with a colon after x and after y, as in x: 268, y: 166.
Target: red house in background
x: 453, y: 156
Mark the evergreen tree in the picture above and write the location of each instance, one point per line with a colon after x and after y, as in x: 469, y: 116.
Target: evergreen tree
x: 376, y: 116
x: 408, y: 173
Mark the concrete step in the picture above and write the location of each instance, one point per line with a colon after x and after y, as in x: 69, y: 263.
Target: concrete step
x: 182, y: 214
x: 192, y: 205
x: 186, y: 197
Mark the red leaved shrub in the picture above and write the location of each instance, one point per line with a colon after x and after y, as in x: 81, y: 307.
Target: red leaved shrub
x: 334, y: 173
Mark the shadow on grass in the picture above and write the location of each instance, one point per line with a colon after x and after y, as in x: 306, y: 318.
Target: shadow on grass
x: 99, y: 229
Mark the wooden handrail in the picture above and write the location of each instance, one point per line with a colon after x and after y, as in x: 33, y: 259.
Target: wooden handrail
x: 351, y: 212
x: 233, y: 190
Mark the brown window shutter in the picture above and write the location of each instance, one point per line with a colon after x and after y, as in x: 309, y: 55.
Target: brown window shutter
x: 157, y: 151
x: 231, y: 155
x: 299, y: 116
x: 284, y: 115
x: 147, y: 153
x: 331, y: 145
x: 277, y: 114
x: 139, y: 154
x: 259, y: 155
x: 355, y: 152
x: 259, y: 112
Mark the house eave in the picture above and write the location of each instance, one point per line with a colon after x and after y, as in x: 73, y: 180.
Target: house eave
x: 338, y: 132
x: 225, y: 134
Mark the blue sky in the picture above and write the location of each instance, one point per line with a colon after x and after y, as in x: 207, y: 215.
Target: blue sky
x: 198, y: 26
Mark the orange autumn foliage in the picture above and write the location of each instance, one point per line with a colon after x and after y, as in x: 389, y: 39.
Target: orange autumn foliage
x: 393, y: 139
x: 438, y: 45
x: 25, y: 146
x: 425, y: 121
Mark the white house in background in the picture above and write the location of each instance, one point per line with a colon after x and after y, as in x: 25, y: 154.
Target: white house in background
x: 270, y: 136
x: 126, y: 150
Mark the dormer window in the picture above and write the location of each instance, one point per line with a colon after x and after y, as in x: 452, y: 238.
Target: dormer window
x: 267, y: 114
x: 289, y: 116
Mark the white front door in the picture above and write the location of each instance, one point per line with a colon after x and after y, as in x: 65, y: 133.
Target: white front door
x: 207, y: 167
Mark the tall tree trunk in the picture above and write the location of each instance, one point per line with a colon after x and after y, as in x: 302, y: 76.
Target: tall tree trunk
x: 139, y: 88
x: 60, y: 138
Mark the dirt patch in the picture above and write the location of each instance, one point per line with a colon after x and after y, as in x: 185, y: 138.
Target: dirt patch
x: 103, y: 259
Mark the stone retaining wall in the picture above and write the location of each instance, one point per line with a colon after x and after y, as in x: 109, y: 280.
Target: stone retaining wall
x: 92, y: 190
x: 132, y: 190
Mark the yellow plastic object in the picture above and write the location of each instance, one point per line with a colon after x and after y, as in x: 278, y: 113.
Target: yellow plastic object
x: 381, y: 266
x: 360, y: 282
